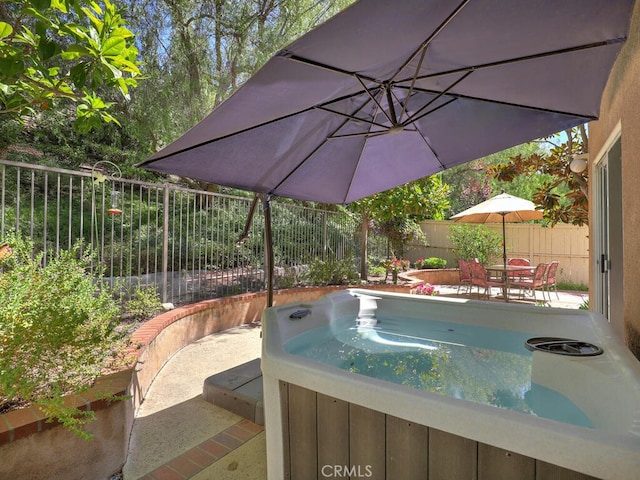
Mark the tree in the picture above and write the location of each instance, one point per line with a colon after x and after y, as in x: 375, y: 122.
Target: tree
x: 563, y: 195
x: 197, y: 53
x: 395, y: 213
x: 475, y: 241
x: 471, y: 183
x: 57, y: 51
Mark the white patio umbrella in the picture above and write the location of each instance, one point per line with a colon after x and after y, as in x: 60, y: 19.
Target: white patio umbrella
x: 501, y: 208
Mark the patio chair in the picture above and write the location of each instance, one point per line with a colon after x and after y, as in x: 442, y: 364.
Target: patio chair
x: 480, y: 278
x: 536, y: 282
x: 465, y: 275
x: 550, y: 279
x: 519, y: 262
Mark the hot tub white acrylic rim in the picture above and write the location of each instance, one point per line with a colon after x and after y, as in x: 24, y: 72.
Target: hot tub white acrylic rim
x: 602, y: 454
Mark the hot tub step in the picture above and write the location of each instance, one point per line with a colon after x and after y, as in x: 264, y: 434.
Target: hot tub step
x: 238, y: 390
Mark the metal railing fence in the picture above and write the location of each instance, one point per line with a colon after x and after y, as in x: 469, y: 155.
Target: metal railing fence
x: 183, y: 241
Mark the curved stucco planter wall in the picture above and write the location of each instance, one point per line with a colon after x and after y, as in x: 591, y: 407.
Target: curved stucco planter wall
x: 441, y: 276
x: 34, y: 449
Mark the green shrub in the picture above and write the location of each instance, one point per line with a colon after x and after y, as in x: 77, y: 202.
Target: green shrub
x: 376, y: 266
x: 58, y: 330
x: 431, y: 263
x: 332, y: 272
x: 377, y: 271
x: 143, y: 303
x: 475, y: 242
x: 288, y: 280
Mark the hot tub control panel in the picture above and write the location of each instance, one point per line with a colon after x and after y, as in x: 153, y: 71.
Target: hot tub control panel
x: 298, y: 314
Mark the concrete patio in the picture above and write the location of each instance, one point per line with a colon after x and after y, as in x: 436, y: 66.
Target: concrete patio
x: 179, y: 435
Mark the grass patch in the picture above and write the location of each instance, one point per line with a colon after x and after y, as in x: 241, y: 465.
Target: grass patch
x: 579, y: 287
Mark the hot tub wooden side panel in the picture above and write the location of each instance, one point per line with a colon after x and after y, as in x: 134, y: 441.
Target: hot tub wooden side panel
x: 327, y: 437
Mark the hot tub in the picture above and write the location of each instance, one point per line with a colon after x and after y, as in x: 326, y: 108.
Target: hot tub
x: 327, y: 418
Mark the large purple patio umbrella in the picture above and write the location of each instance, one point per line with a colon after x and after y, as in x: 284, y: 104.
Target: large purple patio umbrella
x: 387, y: 92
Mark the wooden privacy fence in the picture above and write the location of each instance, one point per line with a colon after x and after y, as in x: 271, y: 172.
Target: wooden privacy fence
x: 567, y: 244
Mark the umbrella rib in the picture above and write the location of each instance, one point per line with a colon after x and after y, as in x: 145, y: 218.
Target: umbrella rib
x: 423, y: 47
x: 213, y: 140
x: 431, y: 149
x: 353, y: 177
x: 417, y: 116
x: 352, y: 117
x: 359, y: 134
x: 369, y: 134
x: 500, y: 102
x: 468, y: 70
x: 376, y: 133
x: 374, y: 98
x: 248, y: 129
x: 413, y: 82
x: 535, y: 56
x: 355, y: 75
x: 433, y: 110
x: 324, y: 66
x: 422, y: 51
x: 318, y: 147
x: 358, y: 119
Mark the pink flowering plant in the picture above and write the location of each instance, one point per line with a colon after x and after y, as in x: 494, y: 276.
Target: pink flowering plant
x: 426, y: 289
x: 395, y: 265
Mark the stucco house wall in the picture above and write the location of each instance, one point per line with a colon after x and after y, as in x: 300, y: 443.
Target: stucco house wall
x: 620, y: 109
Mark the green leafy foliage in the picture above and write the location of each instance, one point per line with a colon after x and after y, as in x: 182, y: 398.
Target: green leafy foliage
x: 576, y: 287
x: 399, y: 232
x: 422, y: 199
x: 50, y: 139
x: 475, y: 241
x: 377, y: 266
x: 58, y: 329
x: 142, y: 303
x: 472, y: 183
x: 65, y: 50
x: 197, y: 53
x: 396, y: 213
x: 377, y: 271
x: 332, y: 272
x: 430, y: 263
x: 563, y: 194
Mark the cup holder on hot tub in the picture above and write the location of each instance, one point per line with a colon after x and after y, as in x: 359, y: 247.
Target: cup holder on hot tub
x: 563, y: 346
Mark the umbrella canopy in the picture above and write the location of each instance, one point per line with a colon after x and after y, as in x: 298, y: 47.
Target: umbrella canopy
x: 501, y: 208
x: 388, y: 92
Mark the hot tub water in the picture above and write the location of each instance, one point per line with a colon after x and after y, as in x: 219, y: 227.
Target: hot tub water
x: 473, y: 363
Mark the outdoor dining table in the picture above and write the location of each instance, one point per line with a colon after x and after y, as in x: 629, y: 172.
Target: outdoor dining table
x: 508, y: 272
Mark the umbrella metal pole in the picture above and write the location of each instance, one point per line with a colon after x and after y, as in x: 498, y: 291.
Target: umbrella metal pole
x: 504, y: 243
x: 268, y: 241
x: 244, y: 236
